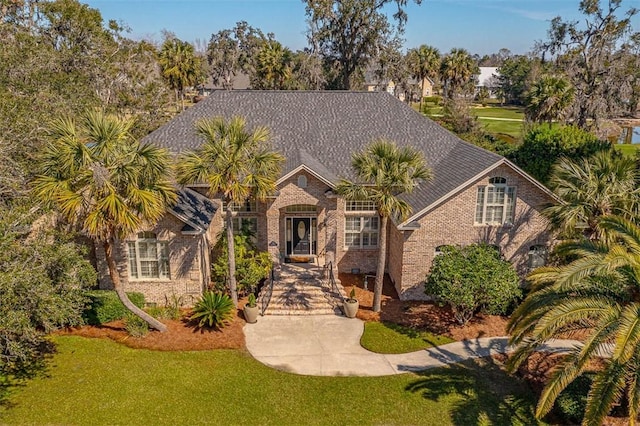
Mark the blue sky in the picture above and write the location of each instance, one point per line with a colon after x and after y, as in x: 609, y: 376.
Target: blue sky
x: 480, y: 26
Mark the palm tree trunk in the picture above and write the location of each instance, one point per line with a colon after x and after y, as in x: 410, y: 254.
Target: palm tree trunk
x: 232, y: 256
x: 382, y: 259
x: 122, y: 295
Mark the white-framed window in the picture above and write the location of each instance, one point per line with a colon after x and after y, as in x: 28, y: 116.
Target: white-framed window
x: 361, y: 231
x: 301, y: 208
x: 360, y: 206
x: 495, y: 203
x: 148, y: 257
x: 248, y: 206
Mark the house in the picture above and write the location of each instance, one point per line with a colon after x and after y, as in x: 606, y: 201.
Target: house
x: 475, y: 195
x: 488, y: 79
x: 375, y: 84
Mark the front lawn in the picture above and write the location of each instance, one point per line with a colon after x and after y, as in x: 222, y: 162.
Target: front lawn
x: 99, y: 382
x: 390, y: 338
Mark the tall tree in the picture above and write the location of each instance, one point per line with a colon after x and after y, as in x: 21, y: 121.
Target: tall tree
x: 586, y: 54
x: 237, y: 164
x: 548, y: 99
x: 273, y: 66
x: 349, y: 33
x: 514, y: 77
x: 590, y: 189
x: 180, y: 66
x: 457, y: 72
x: 384, y: 171
x: 232, y: 51
x: 424, y: 62
x: 307, y: 72
x: 596, y: 294
x: 107, y: 183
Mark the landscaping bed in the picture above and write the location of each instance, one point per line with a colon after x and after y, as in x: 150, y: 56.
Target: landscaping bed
x: 419, y: 315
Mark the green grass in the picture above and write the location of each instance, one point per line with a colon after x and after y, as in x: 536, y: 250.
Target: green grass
x: 628, y: 149
x: 389, y: 338
x: 98, y: 382
x: 515, y: 113
x: 511, y: 128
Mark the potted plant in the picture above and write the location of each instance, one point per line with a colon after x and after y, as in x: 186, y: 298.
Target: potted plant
x: 351, y: 304
x: 251, y: 309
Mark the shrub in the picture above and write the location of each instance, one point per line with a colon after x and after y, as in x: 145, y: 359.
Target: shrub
x: 472, y: 279
x: 213, y: 310
x: 572, y: 401
x: 251, y: 266
x: 104, y: 306
x: 136, y: 326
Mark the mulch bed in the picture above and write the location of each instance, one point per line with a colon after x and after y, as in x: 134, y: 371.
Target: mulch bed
x: 419, y: 315
x: 182, y: 335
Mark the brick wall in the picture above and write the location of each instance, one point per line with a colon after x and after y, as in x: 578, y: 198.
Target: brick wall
x: 185, y: 265
x: 453, y: 223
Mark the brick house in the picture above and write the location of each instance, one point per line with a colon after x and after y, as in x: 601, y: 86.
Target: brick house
x: 475, y: 196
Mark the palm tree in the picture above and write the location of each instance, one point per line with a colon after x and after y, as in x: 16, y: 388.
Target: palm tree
x: 180, y: 66
x: 385, y: 171
x: 590, y: 188
x: 598, y: 293
x: 548, y: 99
x: 109, y: 184
x: 424, y: 62
x: 457, y: 71
x: 237, y: 164
x: 273, y: 65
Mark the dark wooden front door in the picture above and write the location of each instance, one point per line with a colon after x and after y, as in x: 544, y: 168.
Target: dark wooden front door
x: 301, y: 232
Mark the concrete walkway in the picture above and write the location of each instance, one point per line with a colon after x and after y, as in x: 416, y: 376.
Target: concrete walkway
x: 329, y: 345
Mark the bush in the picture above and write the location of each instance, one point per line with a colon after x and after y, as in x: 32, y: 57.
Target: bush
x: 472, y: 279
x: 572, y: 401
x: 251, y: 266
x: 213, y: 310
x: 543, y: 146
x: 104, y: 306
x: 136, y: 326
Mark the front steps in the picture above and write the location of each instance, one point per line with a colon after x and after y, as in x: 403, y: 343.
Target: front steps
x: 302, y: 290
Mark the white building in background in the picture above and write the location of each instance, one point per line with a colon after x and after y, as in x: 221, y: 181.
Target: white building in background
x: 488, y: 78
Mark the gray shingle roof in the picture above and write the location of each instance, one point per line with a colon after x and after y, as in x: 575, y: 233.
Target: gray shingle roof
x: 322, y: 129
x: 195, y: 210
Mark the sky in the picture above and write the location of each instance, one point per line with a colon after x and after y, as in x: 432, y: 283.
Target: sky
x: 480, y: 26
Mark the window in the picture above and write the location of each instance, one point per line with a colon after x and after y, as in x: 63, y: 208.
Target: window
x: 302, y: 181
x: 245, y: 226
x: 495, y: 203
x: 537, y: 256
x: 148, y: 257
x: 301, y: 208
x: 248, y: 206
x: 361, y: 232
x: 440, y: 249
x: 360, y: 206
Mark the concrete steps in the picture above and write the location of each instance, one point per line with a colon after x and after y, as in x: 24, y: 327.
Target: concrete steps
x: 301, y: 291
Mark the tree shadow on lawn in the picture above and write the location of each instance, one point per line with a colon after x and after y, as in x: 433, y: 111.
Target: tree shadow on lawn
x: 483, y: 393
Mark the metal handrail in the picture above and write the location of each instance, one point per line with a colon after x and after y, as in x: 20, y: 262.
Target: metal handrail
x: 332, y: 282
x: 266, y: 296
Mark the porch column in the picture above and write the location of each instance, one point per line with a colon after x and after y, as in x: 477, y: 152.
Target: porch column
x: 273, y: 234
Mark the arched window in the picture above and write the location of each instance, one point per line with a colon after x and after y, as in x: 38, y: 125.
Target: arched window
x: 537, y: 256
x: 302, y: 181
x: 441, y: 249
x: 495, y: 203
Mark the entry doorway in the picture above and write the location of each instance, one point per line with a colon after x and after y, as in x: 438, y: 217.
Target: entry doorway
x: 301, y: 236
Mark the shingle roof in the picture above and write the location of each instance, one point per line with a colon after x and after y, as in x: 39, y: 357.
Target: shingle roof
x: 195, y: 210
x: 321, y: 129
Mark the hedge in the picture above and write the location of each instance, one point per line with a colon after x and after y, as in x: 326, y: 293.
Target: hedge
x: 104, y: 306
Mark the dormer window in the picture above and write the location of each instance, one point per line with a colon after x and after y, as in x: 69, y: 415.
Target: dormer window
x: 495, y: 203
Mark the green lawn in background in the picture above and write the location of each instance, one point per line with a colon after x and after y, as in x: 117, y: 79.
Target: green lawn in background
x: 511, y: 128
x: 99, y: 382
x: 628, y: 149
x: 389, y: 338
x: 514, y: 113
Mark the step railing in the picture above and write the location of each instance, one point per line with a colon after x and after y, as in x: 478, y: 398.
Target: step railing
x: 333, y: 287
x: 266, y: 295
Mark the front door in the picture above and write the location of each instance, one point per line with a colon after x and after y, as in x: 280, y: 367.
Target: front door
x: 301, y: 233
x: 300, y: 236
